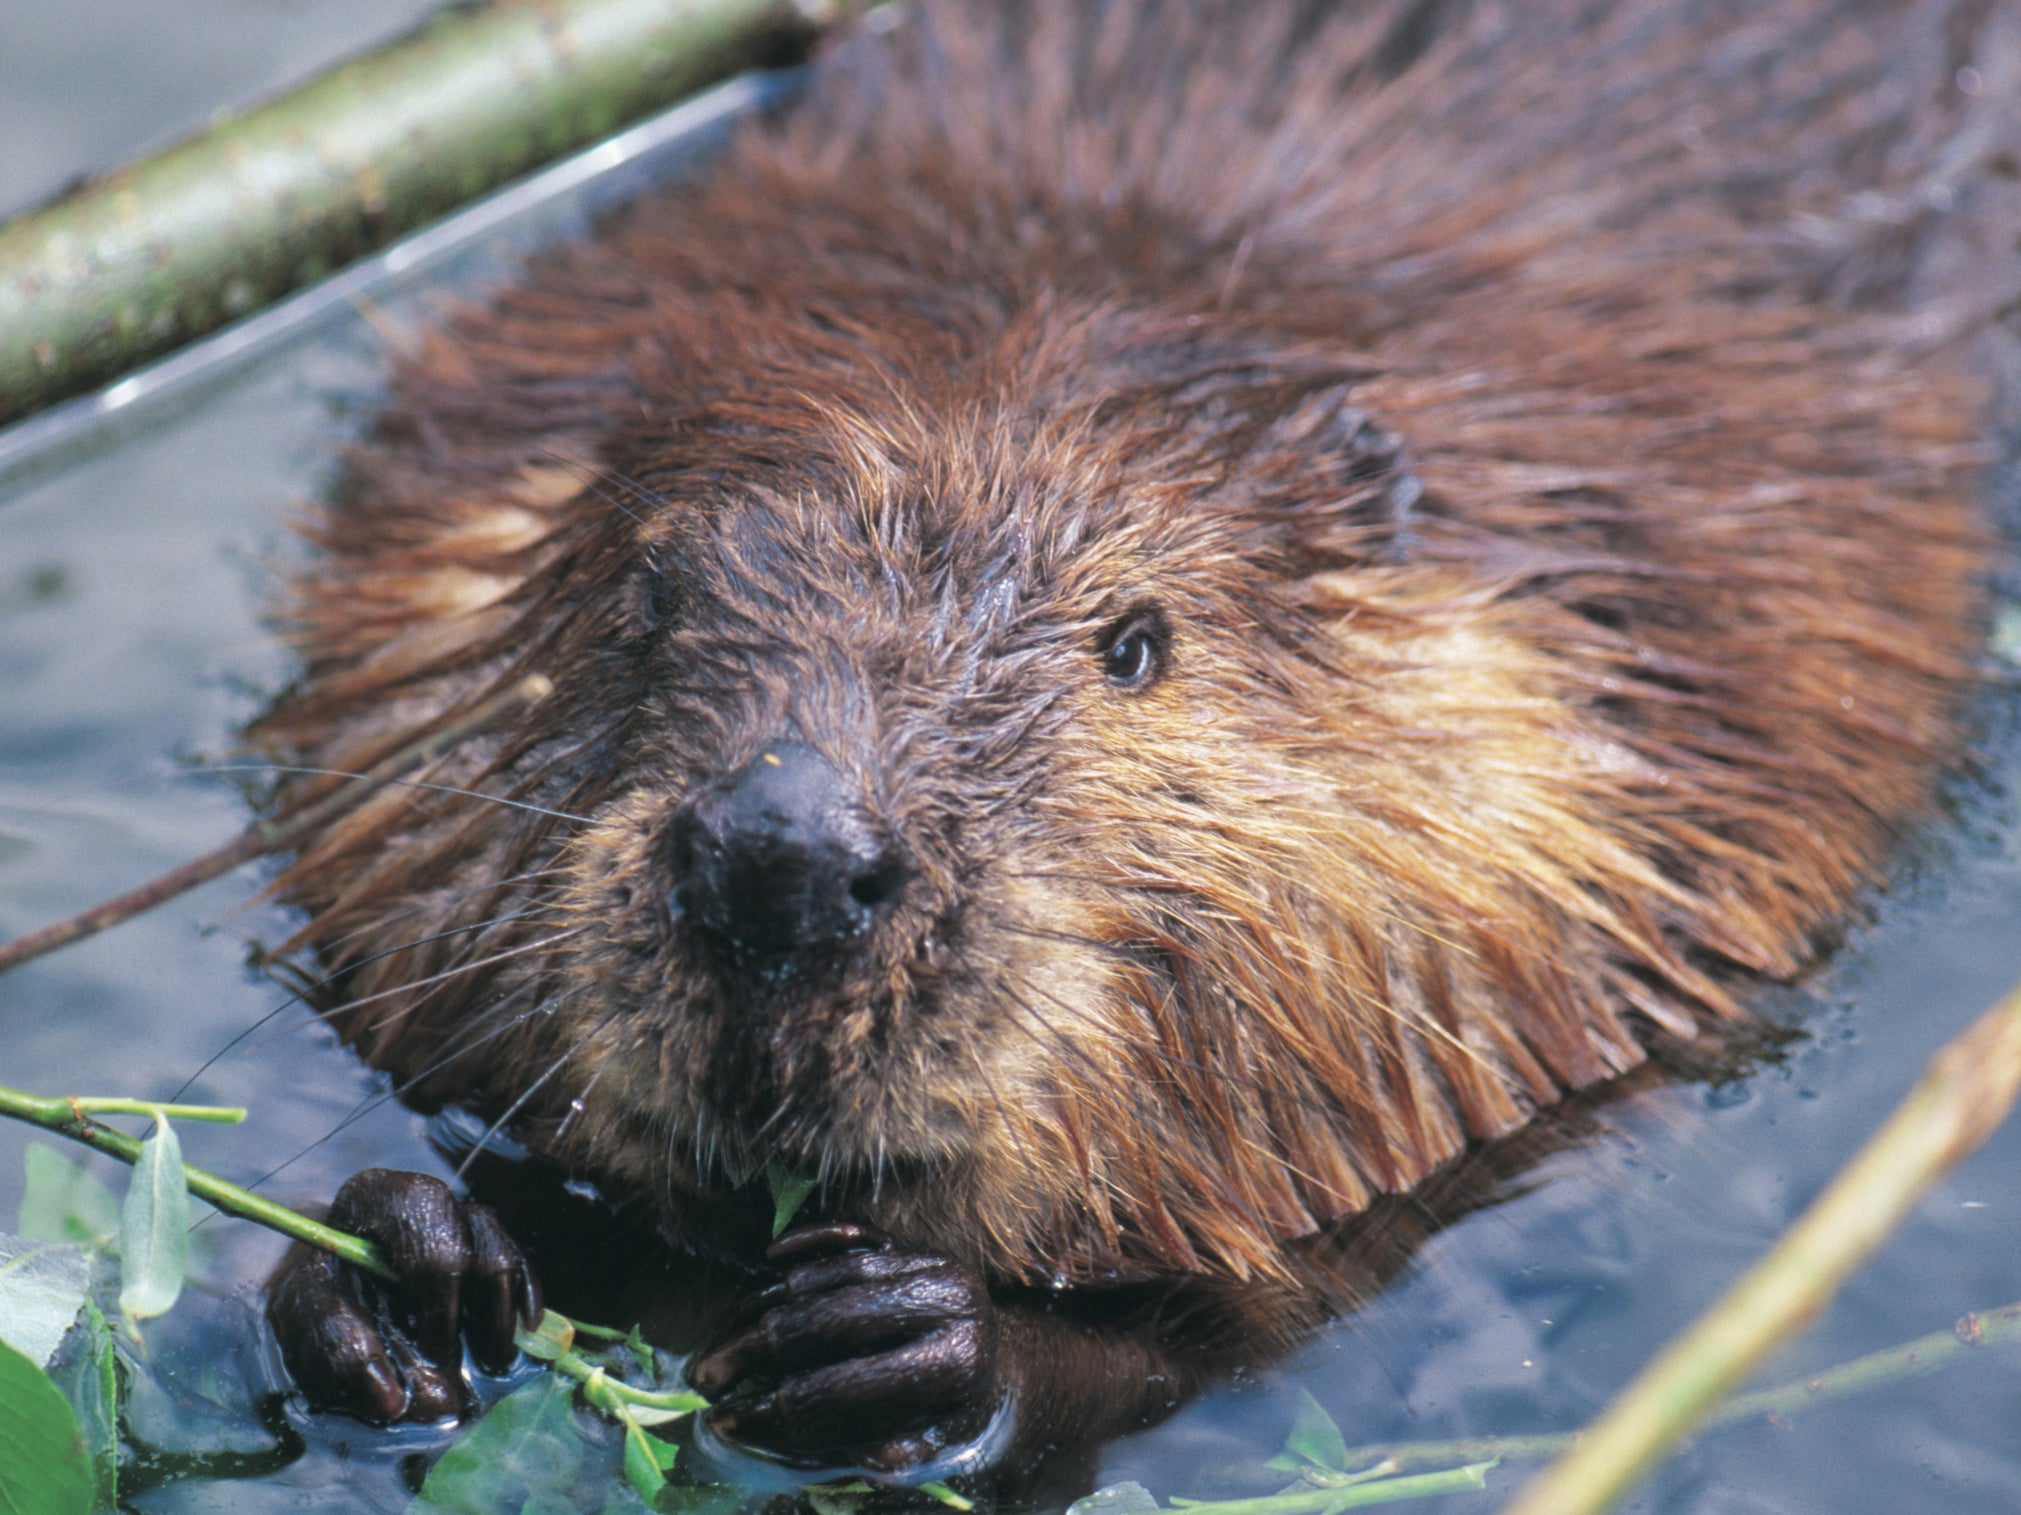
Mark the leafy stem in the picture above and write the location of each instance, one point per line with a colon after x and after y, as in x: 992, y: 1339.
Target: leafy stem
x: 552, y: 1341
x: 224, y: 1115
x: 72, y: 1118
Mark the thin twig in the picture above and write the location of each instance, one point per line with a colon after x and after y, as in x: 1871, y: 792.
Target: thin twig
x: 223, y: 1115
x: 1912, y: 1359
x: 1783, y: 1401
x: 1328, y: 1499
x: 278, y: 835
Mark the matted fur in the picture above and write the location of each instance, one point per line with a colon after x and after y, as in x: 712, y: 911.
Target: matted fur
x: 1549, y: 445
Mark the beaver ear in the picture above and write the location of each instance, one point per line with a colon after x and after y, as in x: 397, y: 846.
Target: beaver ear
x: 1348, y: 490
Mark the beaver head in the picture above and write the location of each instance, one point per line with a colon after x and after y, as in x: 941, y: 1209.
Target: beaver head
x: 1108, y: 737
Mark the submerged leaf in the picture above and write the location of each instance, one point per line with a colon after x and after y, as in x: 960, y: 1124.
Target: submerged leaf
x: 645, y: 1468
x: 1315, y: 1437
x: 42, y: 1287
x: 154, y: 1226
x: 526, y: 1453
x: 64, y: 1201
x: 836, y: 1498
x: 1130, y: 1498
x: 86, y: 1370
x: 653, y: 1415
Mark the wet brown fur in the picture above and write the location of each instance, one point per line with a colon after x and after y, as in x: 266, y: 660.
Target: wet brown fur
x: 1553, y: 456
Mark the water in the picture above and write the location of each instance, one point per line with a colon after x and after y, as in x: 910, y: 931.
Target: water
x: 131, y: 587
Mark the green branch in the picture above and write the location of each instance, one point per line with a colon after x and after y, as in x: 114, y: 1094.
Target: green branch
x: 66, y: 1117
x: 140, y: 261
x: 223, y: 1115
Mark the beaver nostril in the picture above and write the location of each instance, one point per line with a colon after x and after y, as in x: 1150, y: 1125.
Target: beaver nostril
x: 780, y: 862
x: 880, y: 886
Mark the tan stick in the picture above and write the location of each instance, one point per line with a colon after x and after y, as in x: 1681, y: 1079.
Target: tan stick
x: 1962, y: 1096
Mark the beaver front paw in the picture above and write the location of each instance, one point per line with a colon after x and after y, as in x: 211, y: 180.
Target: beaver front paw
x: 863, y: 1353
x: 387, y: 1353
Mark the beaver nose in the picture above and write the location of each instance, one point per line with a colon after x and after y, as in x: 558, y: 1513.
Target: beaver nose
x: 780, y: 861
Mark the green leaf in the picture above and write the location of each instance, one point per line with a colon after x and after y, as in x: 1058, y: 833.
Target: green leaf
x: 42, y: 1287
x: 654, y: 1415
x: 86, y: 1370
x: 1315, y: 1437
x: 642, y: 1353
x: 526, y: 1453
x: 665, y: 1453
x: 789, y: 1193
x: 43, y: 1467
x: 552, y: 1337
x: 65, y: 1201
x: 154, y: 1226
x: 643, y: 1468
x: 947, y: 1496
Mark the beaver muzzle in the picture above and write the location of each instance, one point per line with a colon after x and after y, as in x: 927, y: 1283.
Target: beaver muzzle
x: 780, y: 866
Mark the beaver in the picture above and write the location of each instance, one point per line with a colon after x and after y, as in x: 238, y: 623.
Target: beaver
x: 1166, y: 615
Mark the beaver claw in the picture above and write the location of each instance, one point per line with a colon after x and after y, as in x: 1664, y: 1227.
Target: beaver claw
x: 863, y: 1353
x: 388, y: 1353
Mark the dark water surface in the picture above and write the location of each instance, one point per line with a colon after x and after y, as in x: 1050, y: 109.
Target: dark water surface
x: 131, y: 640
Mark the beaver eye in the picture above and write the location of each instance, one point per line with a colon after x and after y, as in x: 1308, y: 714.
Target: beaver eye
x: 653, y: 597
x: 659, y: 598
x: 1134, y: 652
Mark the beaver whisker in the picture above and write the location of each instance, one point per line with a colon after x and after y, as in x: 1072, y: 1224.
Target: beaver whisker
x: 499, y: 1024
x: 1233, y: 1199
x: 399, y: 1088
x: 310, y: 986
x: 592, y: 475
x: 595, y: 487
x: 1375, y: 910
x: 326, y: 949
x: 1072, y: 939
x: 436, y: 980
x: 346, y: 773
x: 533, y: 1087
x: 639, y: 492
x: 988, y: 1079
x: 589, y: 475
x: 1320, y: 1107
x: 327, y: 980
